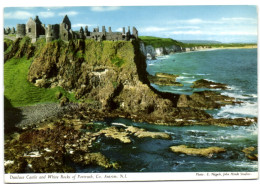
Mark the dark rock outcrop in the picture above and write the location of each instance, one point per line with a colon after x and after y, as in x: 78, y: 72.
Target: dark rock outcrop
x: 202, y: 83
x: 110, y: 74
x: 205, y: 100
x: 164, y: 79
x: 20, y: 48
x: 51, y: 146
x: 110, y: 78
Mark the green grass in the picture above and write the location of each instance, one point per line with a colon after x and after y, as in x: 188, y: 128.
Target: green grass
x: 9, y: 45
x: 157, y: 42
x: 117, y: 61
x: 20, y: 92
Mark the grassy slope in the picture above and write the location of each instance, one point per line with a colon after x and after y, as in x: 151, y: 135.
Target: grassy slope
x: 164, y: 42
x: 20, y: 92
x: 159, y: 42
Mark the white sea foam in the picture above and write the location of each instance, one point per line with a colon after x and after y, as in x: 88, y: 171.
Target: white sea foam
x: 197, y: 131
x: 182, y: 77
x: 244, y: 164
x: 202, y: 74
x: 242, y: 110
x: 168, y: 132
x: 239, y: 95
x: 186, y: 73
x: 234, y: 88
x: 189, y: 81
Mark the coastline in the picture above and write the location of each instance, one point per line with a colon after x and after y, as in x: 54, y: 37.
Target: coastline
x: 152, y: 53
x: 244, y: 47
x: 85, y: 136
x: 221, y: 48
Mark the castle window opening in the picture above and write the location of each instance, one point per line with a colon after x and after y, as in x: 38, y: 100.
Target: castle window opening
x: 29, y: 30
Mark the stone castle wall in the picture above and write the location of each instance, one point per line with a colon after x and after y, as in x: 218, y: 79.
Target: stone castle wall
x: 21, y: 30
x: 35, y: 29
x: 9, y: 30
x: 52, y: 32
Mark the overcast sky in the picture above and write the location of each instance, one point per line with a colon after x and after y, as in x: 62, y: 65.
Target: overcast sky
x: 219, y: 23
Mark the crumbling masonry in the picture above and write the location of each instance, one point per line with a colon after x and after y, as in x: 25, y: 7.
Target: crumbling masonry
x: 35, y: 30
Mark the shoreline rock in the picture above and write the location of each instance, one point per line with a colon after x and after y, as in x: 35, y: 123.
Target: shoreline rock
x: 141, y: 133
x: 251, y: 153
x: 206, y: 100
x: 202, y: 83
x: 115, y: 133
x: 44, y: 147
x: 206, y: 152
x: 164, y: 79
x: 122, y: 134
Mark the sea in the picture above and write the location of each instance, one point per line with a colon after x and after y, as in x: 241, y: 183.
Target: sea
x: 235, y: 67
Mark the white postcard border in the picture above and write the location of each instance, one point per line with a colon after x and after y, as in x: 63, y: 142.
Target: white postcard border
x: 117, y: 177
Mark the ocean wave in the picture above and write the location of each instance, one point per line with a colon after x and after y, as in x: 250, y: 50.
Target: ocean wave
x: 163, y: 57
x: 202, y: 74
x: 168, y: 132
x: 235, y: 95
x: 242, y: 110
x: 244, y: 164
x: 183, y: 77
x: 197, y: 131
x: 239, y: 94
x: 234, y: 88
x: 186, y: 73
x: 189, y: 81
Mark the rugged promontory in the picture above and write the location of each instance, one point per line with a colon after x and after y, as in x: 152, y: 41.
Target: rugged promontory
x: 107, y: 80
x: 110, y: 78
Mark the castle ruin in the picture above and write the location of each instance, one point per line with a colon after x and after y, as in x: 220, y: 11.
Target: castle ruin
x: 35, y: 30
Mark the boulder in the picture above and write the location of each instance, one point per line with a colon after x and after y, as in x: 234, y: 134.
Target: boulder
x: 164, y: 79
x: 251, y: 153
x: 96, y: 159
x: 205, y: 100
x: 115, y: 133
x: 141, y: 133
x: 206, y: 152
x: 202, y: 83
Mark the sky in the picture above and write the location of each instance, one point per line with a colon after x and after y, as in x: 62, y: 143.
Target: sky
x: 224, y: 23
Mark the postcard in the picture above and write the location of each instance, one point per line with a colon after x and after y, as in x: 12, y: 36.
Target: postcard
x: 130, y: 93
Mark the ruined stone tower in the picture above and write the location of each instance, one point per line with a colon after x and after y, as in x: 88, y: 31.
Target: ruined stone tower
x: 81, y: 33
x: 20, y: 30
x: 13, y: 30
x: 135, y: 33
x: 52, y: 32
x: 65, y: 27
x: 34, y: 28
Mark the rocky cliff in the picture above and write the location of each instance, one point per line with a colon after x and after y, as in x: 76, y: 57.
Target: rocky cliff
x: 109, y: 78
x: 152, y: 52
x: 107, y: 75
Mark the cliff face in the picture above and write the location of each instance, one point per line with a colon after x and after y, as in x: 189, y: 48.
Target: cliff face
x: 107, y: 75
x: 110, y: 80
x: 151, y: 52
